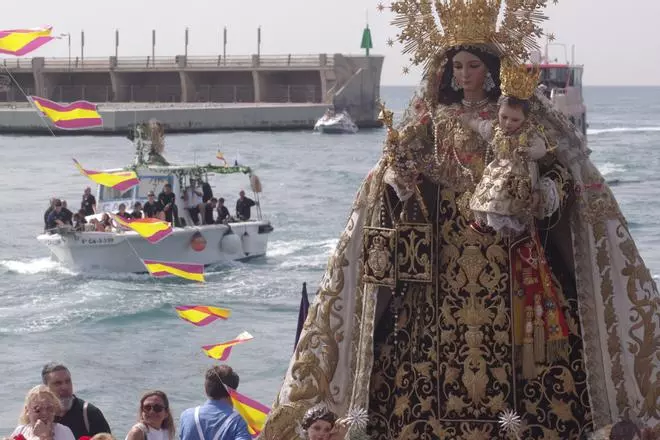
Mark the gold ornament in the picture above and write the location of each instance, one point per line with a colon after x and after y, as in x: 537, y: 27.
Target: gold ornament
x: 430, y: 27
x: 518, y: 80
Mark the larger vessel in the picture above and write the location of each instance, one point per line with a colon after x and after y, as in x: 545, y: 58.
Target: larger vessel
x: 121, y: 250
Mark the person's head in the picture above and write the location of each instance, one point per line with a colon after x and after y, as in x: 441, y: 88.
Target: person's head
x: 625, y: 430
x: 88, y: 190
x: 318, y: 423
x: 470, y: 69
x: 155, y: 411
x: 137, y: 206
x: 81, y: 213
x: 151, y: 196
x: 512, y: 113
x: 64, y: 204
x: 213, y: 201
x: 122, y: 207
x: 40, y: 404
x: 57, y: 378
x: 221, y: 201
x: 57, y: 205
x: 103, y: 436
x: 217, y: 379
x: 241, y: 194
x: 167, y: 188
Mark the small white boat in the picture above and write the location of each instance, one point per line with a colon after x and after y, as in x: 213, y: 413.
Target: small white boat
x: 336, y: 123
x: 124, y: 251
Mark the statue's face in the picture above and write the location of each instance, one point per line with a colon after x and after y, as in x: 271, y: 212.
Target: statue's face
x: 320, y: 430
x: 470, y: 72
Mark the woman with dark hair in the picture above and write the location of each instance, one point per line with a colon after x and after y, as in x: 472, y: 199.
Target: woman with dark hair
x: 155, y: 421
x: 418, y: 330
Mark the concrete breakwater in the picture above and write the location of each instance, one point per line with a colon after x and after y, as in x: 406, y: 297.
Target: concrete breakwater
x: 196, y: 93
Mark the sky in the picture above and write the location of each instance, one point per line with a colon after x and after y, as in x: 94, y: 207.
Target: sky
x: 613, y: 39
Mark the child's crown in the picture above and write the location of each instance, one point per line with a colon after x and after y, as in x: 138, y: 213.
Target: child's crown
x: 518, y: 80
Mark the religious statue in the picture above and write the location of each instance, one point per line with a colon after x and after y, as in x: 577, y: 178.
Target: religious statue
x: 430, y: 324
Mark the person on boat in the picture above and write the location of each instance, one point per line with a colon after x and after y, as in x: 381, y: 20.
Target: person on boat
x: 37, y: 421
x: 83, y: 418
x: 88, y: 202
x: 223, y: 213
x: 216, y: 419
x: 79, y: 221
x: 167, y: 200
x: 192, y: 201
x: 122, y: 212
x: 155, y: 421
x: 105, y: 225
x: 418, y: 326
x: 152, y: 207
x: 209, y: 208
x: 243, y: 205
x: 137, y: 210
x: 51, y: 207
x: 56, y: 217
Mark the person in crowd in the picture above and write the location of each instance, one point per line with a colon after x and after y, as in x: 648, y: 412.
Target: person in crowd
x: 51, y: 207
x: 137, y: 210
x: 168, y: 200
x: 37, y: 421
x: 83, y: 418
x: 88, y: 202
x: 122, y: 212
x: 192, y: 201
x: 216, y: 419
x: 223, y: 212
x: 56, y: 217
x: 106, y: 223
x: 79, y: 220
x: 67, y: 214
x: 207, y: 192
x: 152, y: 207
x: 209, y: 207
x: 243, y: 205
x: 155, y: 421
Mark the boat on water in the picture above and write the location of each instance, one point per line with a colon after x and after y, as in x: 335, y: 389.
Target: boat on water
x: 124, y: 251
x: 336, y: 123
x: 562, y: 85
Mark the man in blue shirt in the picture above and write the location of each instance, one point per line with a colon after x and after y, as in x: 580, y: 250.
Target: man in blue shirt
x: 216, y: 419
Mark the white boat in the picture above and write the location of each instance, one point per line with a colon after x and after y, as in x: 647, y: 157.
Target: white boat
x: 336, y: 123
x: 123, y: 251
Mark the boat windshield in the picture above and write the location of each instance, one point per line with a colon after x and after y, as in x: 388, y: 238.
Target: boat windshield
x: 152, y: 183
x: 107, y: 194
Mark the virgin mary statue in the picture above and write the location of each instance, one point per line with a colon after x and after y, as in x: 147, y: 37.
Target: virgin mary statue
x: 429, y: 326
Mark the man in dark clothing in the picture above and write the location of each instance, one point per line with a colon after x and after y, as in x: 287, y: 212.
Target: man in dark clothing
x: 152, y: 206
x: 83, y: 418
x: 168, y: 200
x: 56, y: 217
x: 209, y: 207
x: 88, y: 202
x: 223, y: 212
x: 51, y: 206
x: 67, y: 215
x: 243, y: 205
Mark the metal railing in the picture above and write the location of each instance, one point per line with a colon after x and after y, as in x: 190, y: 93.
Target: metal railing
x: 154, y: 93
x: 15, y: 95
x: 224, y: 93
x: 17, y: 63
x: 295, y: 93
x: 76, y: 93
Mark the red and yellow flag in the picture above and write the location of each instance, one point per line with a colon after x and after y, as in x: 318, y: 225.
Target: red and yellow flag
x: 159, y: 269
x: 253, y: 412
x: 152, y: 229
x: 21, y: 42
x: 74, y: 116
x: 222, y: 351
x: 121, y: 181
x: 202, y: 315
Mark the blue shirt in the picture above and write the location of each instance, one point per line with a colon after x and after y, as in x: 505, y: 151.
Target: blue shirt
x: 214, y: 416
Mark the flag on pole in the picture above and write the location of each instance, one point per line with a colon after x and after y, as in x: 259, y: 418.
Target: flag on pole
x: 222, y: 351
x: 302, y: 313
x: 160, y: 269
x: 21, y: 42
x: 253, y: 412
x: 75, y: 116
x: 152, y: 229
x: 220, y: 156
x: 121, y: 180
x: 202, y: 315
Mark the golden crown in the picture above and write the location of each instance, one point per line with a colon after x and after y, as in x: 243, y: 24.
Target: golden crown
x: 518, y: 80
x: 430, y: 27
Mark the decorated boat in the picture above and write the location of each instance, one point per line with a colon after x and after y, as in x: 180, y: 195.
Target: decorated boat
x: 179, y: 247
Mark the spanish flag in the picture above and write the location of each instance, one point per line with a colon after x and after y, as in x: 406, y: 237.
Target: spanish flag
x: 75, y: 116
x: 222, y: 351
x: 202, y: 315
x: 21, y: 42
x: 121, y: 181
x: 160, y: 269
x: 152, y: 229
x: 253, y: 412
x: 220, y: 156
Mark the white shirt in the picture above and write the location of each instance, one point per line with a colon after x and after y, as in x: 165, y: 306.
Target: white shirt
x: 61, y: 432
x: 151, y: 433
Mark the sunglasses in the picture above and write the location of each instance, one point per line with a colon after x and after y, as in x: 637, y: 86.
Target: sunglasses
x: 155, y: 408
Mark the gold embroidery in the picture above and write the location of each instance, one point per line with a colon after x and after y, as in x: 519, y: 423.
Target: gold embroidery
x: 379, y: 253
x: 414, y: 252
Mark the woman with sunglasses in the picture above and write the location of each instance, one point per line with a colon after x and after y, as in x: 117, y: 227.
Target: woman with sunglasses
x: 37, y: 422
x: 155, y: 420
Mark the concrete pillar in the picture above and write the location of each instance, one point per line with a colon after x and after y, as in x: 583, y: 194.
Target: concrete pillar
x: 120, y: 89
x: 38, y: 74
x: 256, y: 81
x: 255, y: 61
x: 324, y: 85
x: 188, y: 89
x: 323, y: 59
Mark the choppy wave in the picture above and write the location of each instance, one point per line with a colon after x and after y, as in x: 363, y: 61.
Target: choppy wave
x: 597, y: 131
x: 609, y: 168
x: 283, y: 248
x: 33, y: 267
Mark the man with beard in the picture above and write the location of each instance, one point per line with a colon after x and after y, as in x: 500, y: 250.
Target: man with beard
x: 83, y: 418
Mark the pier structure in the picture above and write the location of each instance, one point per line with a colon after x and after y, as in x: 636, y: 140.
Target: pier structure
x: 193, y: 93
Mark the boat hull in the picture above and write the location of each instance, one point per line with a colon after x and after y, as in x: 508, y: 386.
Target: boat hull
x: 123, y: 252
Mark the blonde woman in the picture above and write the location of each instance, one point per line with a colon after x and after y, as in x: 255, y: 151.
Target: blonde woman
x: 155, y: 420
x: 37, y: 422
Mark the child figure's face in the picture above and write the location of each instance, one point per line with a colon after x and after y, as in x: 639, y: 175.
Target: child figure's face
x: 510, y: 118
